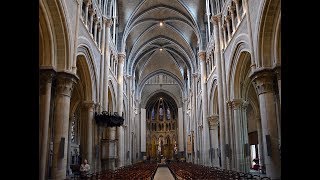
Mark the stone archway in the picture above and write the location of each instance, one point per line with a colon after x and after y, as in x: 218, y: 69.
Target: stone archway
x: 161, y: 120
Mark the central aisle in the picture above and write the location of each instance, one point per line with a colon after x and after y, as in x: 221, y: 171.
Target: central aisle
x: 163, y: 173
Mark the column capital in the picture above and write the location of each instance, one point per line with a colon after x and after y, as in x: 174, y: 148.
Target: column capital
x: 89, y: 104
x: 263, y: 80
x: 46, y: 75
x: 277, y: 71
x: 202, y: 55
x: 236, y: 103
x: 216, y: 18
x: 107, y: 21
x: 87, y: 2
x: 99, y: 27
x: 79, y: 1
x: 194, y: 75
x: 95, y: 20
x: 128, y: 76
x: 65, y: 83
x: 229, y: 103
x: 92, y: 11
x: 245, y: 104
x: 213, y: 121
x: 121, y: 57
x: 227, y: 18
x: 231, y: 9
x: 97, y: 106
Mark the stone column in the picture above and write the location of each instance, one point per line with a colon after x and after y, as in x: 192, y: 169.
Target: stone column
x: 112, y: 148
x: 106, y: 50
x: 208, y: 63
x: 244, y: 126
x: 217, y: 54
x: 194, y: 126
x: 65, y: 82
x: 205, y: 139
x: 212, y: 61
x: 260, y: 144
x: 130, y: 119
x: 87, y: 3
x: 192, y: 146
x: 238, y: 11
x: 233, y: 20
x: 254, y: 61
x: 75, y: 35
x: 121, y: 58
x: 89, y: 146
x: 103, y: 103
x: 224, y: 84
x: 228, y: 27
x: 231, y: 148
x: 99, y: 37
x: 97, y: 138
x: 236, y: 105
x: 45, y: 98
x: 277, y: 71
x: 181, y: 129
x: 91, y: 21
x: 95, y: 30
x: 213, y: 126
x: 208, y: 16
x: 263, y: 82
x: 224, y: 36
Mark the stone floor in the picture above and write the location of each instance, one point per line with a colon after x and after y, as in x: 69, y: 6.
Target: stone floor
x: 163, y: 173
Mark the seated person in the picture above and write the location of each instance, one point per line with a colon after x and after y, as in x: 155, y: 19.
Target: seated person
x: 84, y: 168
x: 256, y: 165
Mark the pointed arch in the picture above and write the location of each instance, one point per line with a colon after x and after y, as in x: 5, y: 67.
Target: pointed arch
x: 53, y: 12
x: 267, y: 25
x: 89, y: 69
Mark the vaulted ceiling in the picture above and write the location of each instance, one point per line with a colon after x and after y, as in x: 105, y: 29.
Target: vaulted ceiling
x: 161, y: 35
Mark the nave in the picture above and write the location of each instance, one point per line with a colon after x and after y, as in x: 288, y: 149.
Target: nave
x: 169, y: 171
x: 125, y: 84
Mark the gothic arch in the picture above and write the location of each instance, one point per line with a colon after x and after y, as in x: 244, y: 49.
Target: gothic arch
x: 88, y: 66
x: 213, y: 98
x: 53, y: 13
x: 144, y: 104
x: 267, y: 33
x: 111, y: 91
x: 241, y: 58
x: 46, y: 43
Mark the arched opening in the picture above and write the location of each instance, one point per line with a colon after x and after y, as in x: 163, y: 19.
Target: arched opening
x: 79, y: 147
x: 241, y: 90
x: 161, y: 115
